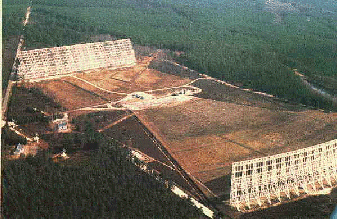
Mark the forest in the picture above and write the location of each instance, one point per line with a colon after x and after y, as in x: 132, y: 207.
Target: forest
x: 240, y: 42
x: 103, y: 184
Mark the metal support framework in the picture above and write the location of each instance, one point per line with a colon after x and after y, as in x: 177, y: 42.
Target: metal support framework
x: 274, y: 178
x: 42, y: 63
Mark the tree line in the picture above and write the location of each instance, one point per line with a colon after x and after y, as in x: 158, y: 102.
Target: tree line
x: 107, y: 185
x: 237, y: 44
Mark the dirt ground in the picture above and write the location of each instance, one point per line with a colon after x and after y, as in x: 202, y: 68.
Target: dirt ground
x: 137, y: 78
x: 206, y: 136
x: 100, y: 86
x: 69, y: 96
x: 103, y: 94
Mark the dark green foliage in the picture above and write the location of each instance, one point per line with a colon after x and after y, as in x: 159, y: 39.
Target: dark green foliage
x: 236, y: 41
x: 72, y: 142
x: 9, y: 137
x: 12, y: 17
x: 327, y: 83
x: 24, y: 101
x: 108, y: 186
x: 169, y: 68
x: 50, y: 29
x: 97, y: 120
x: 85, y: 137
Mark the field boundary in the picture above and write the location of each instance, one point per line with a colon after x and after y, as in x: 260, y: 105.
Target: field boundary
x: 159, y: 143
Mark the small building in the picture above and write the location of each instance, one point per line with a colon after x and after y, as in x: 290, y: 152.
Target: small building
x: 62, y: 155
x: 19, y: 149
x: 36, y: 138
x: 61, y: 125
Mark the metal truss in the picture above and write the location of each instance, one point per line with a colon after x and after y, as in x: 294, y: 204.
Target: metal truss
x: 42, y: 63
x: 281, y: 177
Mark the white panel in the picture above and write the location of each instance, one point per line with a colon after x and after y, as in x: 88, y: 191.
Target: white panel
x: 46, y: 62
x: 274, y: 178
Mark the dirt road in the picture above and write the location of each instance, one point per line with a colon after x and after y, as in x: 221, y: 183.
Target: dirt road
x: 315, y: 89
x: 116, y: 122
x: 11, y: 78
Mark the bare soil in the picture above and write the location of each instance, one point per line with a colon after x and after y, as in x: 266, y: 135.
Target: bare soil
x: 206, y: 136
x: 69, y: 96
x: 103, y: 94
x: 99, y: 86
x: 137, y: 78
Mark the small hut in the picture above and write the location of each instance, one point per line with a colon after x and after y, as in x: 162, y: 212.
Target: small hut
x: 61, y: 125
x: 19, y: 149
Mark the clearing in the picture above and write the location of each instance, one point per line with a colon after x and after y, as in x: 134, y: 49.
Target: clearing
x: 206, y: 136
x: 100, y: 86
x: 204, y: 124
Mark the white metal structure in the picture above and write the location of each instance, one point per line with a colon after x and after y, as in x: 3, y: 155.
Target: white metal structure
x: 275, y: 178
x: 42, y: 63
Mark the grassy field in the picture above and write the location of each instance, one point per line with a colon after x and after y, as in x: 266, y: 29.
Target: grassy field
x: 220, y: 92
